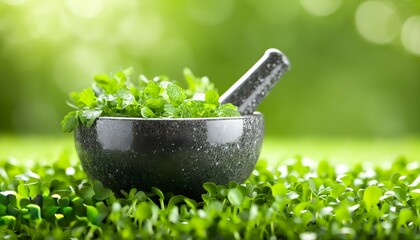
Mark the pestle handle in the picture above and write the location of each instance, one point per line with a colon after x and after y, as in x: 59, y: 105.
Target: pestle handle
x: 251, y: 89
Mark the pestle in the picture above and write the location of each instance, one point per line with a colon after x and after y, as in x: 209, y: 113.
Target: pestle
x: 251, y: 89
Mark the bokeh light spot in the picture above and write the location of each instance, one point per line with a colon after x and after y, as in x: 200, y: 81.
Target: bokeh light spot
x: 210, y: 12
x: 46, y: 21
x: 278, y: 12
x: 78, y: 64
x: 140, y: 32
x: 85, y: 9
x: 410, y: 35
x: 13, y: 2
x: 377, y: 22
x: 321, y: 7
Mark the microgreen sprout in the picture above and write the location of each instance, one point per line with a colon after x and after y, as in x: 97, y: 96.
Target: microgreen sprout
x: 309, y: 201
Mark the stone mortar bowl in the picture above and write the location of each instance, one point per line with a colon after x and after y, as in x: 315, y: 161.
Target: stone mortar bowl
x: 175, y: 155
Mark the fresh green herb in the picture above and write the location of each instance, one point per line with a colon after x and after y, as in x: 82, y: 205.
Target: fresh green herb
x: 116, y: 95
x: 294, y: 200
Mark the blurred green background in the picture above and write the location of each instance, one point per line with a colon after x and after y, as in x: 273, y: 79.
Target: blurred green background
x: 355, y: 64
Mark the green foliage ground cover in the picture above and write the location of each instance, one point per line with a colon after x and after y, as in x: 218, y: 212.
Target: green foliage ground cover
x: 289, y: 200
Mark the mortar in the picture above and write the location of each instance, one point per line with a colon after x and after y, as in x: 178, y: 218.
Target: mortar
x: 179, y: 155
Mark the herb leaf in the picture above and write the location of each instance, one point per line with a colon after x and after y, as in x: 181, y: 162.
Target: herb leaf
x: 212, y: 97
x: 196, y: 84
x: 147, y: 112
x: 87, y: 117
x: 175, y: 93
x: 70, y: 122
x: 87, y: 98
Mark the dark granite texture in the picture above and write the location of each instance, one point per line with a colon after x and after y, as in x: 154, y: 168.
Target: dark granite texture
x: 251, y: 89
x: 175, y: 155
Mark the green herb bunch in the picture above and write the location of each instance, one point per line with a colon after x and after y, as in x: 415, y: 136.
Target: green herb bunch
x: 115, y: 95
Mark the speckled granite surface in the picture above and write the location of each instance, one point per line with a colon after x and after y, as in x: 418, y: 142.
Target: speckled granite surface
x: 175, y: 155
x: 251, y: 89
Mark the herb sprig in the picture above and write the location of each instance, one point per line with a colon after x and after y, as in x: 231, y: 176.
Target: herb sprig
x: 115, y: 95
